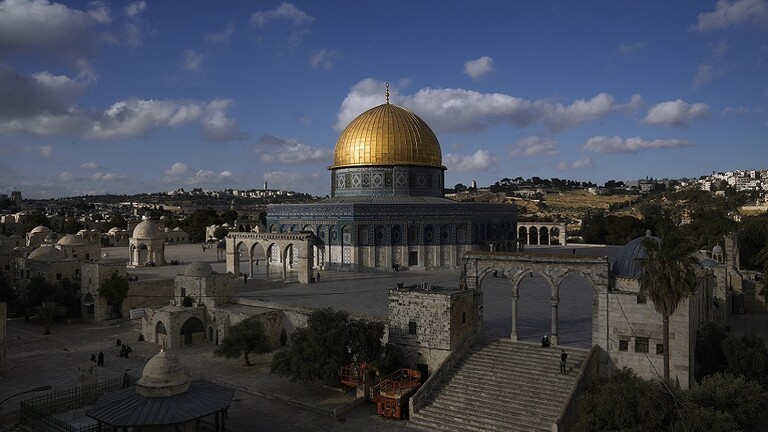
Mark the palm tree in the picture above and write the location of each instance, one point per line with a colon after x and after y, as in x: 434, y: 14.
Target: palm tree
x: 668, y: 277
x: 47, y: 311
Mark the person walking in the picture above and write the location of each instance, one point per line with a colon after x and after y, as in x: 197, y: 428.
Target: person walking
x: 100, y: 361
x: 93, y: 358
x: 563, y: 360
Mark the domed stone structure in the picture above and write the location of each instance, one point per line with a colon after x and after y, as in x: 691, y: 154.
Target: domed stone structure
x: 198, y: 269
x: 626, y: 263
x: 163, y: 376
x: 147, y: 229
x: 386, y: 208
x: 163, y: 400
x: 147, y: 246
x: 46, y: 253
x: 38, y: 236
x: 381, y: 150
x: 72, y: 240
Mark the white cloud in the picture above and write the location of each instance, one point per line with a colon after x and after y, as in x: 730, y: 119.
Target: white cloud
x: 289, y: 151
x: 127, y: 118
x: 604, y: 144
x: 108, y: 177
x: 535, y: 146
x: 323, y: 58
x: 736, y: 110
x: 210, y: 177
x: 631, y: 48
x: 285, y: 11
x: 38, y: 24
x: 136, y: 8
x: 478, y: 67
x: 675, y: 113
x: 45, y: 151
x: 90, y: 165
x: 217, y: 126
x: 223, y: 37
x: 480, y: 160
x: 704, y: 74
x: 177, y: 169
x: 460, y: 110
x: 191, y: 60
x: 66, y: 176
x: 135, y: 117
x: 727, y: 14
x: 561, y: 117
x: 99, y: 12
x: 287, y: 180
x: 582, y: 163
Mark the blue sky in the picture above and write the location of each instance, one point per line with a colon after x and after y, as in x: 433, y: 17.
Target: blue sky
x: 149, y: 96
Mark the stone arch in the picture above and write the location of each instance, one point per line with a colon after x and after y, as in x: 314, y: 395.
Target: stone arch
x: 294, y: 250
x: 554, y: 236
x: 533, y: 235
x: 160, y: 331
x: 554, y: 269
x: 144, y: 254
x: 522, y: 234
x: 544, y: 235
x: 192, y: 331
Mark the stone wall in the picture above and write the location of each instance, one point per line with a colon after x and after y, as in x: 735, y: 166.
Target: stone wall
x: 428, y: 322
x: 630, y: 322
x: 142, y: 293
x: 92, y: 275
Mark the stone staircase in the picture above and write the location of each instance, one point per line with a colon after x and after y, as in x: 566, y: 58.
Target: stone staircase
x: 501, y: 385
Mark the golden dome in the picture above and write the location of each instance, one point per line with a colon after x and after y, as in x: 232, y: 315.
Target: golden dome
x: 387, y: 135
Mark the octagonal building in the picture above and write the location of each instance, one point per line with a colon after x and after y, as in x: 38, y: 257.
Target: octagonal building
x: 386, y: 206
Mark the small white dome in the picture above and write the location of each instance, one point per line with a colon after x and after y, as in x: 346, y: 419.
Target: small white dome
x: 41, y: 229
x: 148, y: 229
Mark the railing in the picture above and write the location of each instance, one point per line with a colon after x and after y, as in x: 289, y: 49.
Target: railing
x: 417, y: 400
x: 39, y: 412
x: 398, y: 384
x: 567, y: 416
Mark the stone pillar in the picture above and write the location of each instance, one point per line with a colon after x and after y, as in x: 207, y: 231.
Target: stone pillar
x: 233, y: 260
x: 554, y: 338
x: 515, y: 297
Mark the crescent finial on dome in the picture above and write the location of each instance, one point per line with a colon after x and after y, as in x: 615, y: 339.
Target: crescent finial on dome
x: 387, y: 93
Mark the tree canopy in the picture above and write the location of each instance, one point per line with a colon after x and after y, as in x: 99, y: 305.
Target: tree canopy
x: 331, y: 339
x: 114, y: 289
x: 245, y: 338
x: 723, y: 403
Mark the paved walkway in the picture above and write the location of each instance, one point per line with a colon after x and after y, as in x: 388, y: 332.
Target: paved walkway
x: 264, y: 400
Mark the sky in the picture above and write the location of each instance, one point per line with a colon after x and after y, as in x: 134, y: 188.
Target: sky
x: 127, y: 97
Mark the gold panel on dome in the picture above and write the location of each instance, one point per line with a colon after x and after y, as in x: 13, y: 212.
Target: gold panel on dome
x: 387, y: 135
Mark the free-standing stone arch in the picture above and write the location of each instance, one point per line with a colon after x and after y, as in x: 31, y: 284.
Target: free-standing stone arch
x: 294, y: 249
x: 554, y: 269
x: 543, y: 233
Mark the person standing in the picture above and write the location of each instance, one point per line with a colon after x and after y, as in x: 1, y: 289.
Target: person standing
x: 100, y: 361
x: 93, y: 358
x: 563, y: 360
